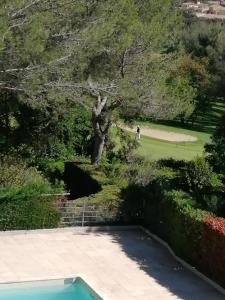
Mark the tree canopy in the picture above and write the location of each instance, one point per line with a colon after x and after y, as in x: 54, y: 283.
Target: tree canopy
x: 100, y: 55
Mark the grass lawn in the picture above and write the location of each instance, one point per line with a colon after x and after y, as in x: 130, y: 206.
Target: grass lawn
x: 157, y: 149
x: 202, y: 129
x: 206, y: 121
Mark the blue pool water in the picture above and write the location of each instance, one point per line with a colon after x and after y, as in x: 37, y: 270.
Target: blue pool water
x: 75, y: 291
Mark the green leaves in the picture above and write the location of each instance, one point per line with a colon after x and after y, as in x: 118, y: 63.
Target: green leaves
x: 215, y: 150
x: 55, y: 55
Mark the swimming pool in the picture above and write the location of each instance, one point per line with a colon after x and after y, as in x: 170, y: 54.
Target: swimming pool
x: 67, y: 289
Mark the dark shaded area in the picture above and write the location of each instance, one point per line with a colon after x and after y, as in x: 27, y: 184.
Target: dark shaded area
x: 173, y: 216
x: 206, y: 121
x: 78, y: 181
x: 156, y: 261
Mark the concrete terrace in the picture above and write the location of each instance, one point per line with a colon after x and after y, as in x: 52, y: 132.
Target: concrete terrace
x: 119, y: 265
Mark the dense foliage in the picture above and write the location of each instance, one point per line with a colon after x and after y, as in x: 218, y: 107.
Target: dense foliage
x: 25, y: 201
x: 92, y: 187
x: 204, y: 185
x: 203, y: 42
x: 68, y: 72
x: 215, y: 150
x: 212, y: 244
x: 59, y: 61
x: 174, y: 215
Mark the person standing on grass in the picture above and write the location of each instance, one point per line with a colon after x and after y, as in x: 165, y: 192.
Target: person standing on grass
x: 138, y: 132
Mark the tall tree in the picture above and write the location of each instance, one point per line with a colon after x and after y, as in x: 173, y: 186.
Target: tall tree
x: 204, y: 41
x: 111, y: 56
x: 215, y: 150
x: 127, y: 52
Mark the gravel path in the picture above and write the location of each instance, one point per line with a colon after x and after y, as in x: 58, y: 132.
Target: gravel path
x: 163, y: 135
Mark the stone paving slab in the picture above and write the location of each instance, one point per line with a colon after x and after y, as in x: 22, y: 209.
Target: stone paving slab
x: 119, y: 265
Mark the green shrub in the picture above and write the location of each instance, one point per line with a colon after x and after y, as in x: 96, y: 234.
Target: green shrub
x: 141, y: 171
x: 53, y: 170
x: 26, y: 208
x: 182, y: 223
x: 24, y: 200
x: 14, y: 173
x: 203, y: 184
x: 215, y: 150
x: 198, y: 175
x: 212, y: 254
x: 94, y: 187
x: 170, y: 214
x: 174, y: 215
x: 111, y: 168
x: 192, y: 233
x: 106, y: 203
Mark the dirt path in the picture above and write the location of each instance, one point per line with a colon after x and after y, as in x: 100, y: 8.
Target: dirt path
x: 163, y: 135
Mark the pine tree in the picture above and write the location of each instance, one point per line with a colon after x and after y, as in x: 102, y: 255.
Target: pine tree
x: 108, y: 56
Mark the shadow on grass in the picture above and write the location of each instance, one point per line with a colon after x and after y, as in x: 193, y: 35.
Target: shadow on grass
x: 206, y: 121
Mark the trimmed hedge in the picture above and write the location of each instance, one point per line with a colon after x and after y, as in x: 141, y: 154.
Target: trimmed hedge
x: 212, y: 248
x: 80, y: 179
x: 193, y: 234
x: 26, y: 207
x: 23, y: 204
x: 174, y: 219
x: 28, y: 212
x: 90, y: 185
x: 106, y: 203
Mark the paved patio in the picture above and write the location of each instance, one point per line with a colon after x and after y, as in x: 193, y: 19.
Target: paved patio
x: 119, y: 265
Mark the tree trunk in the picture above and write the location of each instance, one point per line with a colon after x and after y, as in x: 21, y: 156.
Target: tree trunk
x: 182, y: 120
x: 101, y: 127
x: 98, y: 149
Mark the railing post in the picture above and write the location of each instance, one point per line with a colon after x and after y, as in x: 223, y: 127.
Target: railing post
x: 83, y: 214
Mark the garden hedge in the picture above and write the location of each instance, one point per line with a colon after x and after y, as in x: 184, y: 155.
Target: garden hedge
x: 90, y: 185
x: 28, y: 206
x: 212, y: 249
x: 193, y: 234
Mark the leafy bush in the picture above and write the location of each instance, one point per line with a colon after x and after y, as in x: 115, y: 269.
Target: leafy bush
x: 56, y: 134
x: 212, y: 259
x: 182, y: 223
x: 25, y: 209
x: 203, y: 184
x: 198, y: 175
x: 172, y: 163
x: 81, y: 179
x: 14, y: 173
x: 193, y: 234
x: 23, y: 204
x: 53, y: 170
x: 140, y: 171
x: 172, y: 216
x: 115, y: 172
x: 127, y: 145
x: 106, y: 203
x: 92, y: 186
x: 215, y: 150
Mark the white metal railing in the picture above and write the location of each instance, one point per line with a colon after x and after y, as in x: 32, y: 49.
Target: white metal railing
x: 81, y: 214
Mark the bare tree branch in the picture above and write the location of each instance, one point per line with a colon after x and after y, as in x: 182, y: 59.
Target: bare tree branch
x: 11, y: 27
x: 57, y: 60
x: 3, y: 86
x: 21, y: 10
